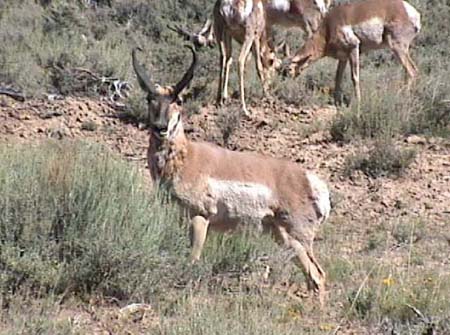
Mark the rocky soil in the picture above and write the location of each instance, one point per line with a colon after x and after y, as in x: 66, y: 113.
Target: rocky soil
x: 361, y: 204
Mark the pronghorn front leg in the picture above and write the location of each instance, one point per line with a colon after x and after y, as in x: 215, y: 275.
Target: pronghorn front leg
x: 354, y: 68
x: 199, y: 229
x: 338, y: 97
x: 246, y: 47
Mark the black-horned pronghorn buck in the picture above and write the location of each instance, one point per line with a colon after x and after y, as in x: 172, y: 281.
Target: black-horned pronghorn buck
x: 223, y: 189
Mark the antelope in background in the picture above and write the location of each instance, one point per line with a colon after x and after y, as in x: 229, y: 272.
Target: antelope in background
x: 223, y: 189
x: 250, y: 23
x: 357, y: 27
x: 306, y: 14
x: 244, y: 21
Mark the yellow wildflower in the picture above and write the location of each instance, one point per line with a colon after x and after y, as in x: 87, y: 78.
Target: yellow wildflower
x: 388, y: 281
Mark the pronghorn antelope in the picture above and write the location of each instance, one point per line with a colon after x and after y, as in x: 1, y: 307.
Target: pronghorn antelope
x: 223, y: 189
x: 358, y: 27
x: 244, y: 21
x: 306, y: 14
x: 250, y: 22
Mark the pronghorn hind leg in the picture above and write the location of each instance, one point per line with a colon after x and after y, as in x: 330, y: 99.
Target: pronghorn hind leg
x: 413, y: 64
x: 315, y: 276
x: 304, y: 258
x: 259, y: 66
x: 401, y: 52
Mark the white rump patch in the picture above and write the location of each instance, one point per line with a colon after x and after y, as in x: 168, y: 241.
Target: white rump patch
x: 413, y: 14
x: 321, y: 194
x: 321, y: 5
x: 241, y: 200
x: 281, y: 5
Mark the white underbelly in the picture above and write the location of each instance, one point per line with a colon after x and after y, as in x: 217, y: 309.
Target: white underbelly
x: 241, y: 201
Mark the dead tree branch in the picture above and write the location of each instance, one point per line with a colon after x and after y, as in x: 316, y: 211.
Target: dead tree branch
x: 16, y: 95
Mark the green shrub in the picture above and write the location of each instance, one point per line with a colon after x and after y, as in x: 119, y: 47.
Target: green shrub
x: 54, y: 38
x: 384, y: 159
x: 75, y: 217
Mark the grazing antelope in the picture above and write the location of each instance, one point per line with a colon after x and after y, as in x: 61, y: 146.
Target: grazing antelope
x: 249, y: 22
x: 306, y: 14
x: 223, y: 189
x: 358, y: 27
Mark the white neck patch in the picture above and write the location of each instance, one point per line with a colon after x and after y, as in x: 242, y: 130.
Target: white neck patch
x: 172, y: 127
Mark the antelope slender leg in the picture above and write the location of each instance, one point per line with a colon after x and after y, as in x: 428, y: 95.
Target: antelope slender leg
x: 246, y: 47
x: 304, y: 258
x: 354, y: 66
x: 342, y: 64
x: 199, y: 229
x: 413, y: 64
x: 259, y: 65
x: 229, y: 60
x: 401, y: 53
x: 220, y: 86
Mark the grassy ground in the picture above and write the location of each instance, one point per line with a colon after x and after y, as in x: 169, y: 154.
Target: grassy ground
x: 88, y: 229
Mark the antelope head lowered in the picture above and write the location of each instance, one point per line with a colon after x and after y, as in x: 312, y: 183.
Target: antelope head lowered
x: 224, y: 190
x: 356, y: 27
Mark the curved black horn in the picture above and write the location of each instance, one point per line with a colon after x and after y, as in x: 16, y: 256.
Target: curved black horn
x: 187, y: 76
x: 143, y: 79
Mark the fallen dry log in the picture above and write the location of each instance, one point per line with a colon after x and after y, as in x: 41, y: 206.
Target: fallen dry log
x: 14, y: 94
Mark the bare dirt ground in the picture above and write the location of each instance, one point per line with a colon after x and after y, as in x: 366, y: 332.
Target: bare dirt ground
x: 361, y: 204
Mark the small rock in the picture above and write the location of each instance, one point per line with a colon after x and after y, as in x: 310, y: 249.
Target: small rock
x: 414, y: 139
x: 57, y: 133
x: 50, y: 114
x: 134, y: 312
x: 89, y: 126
